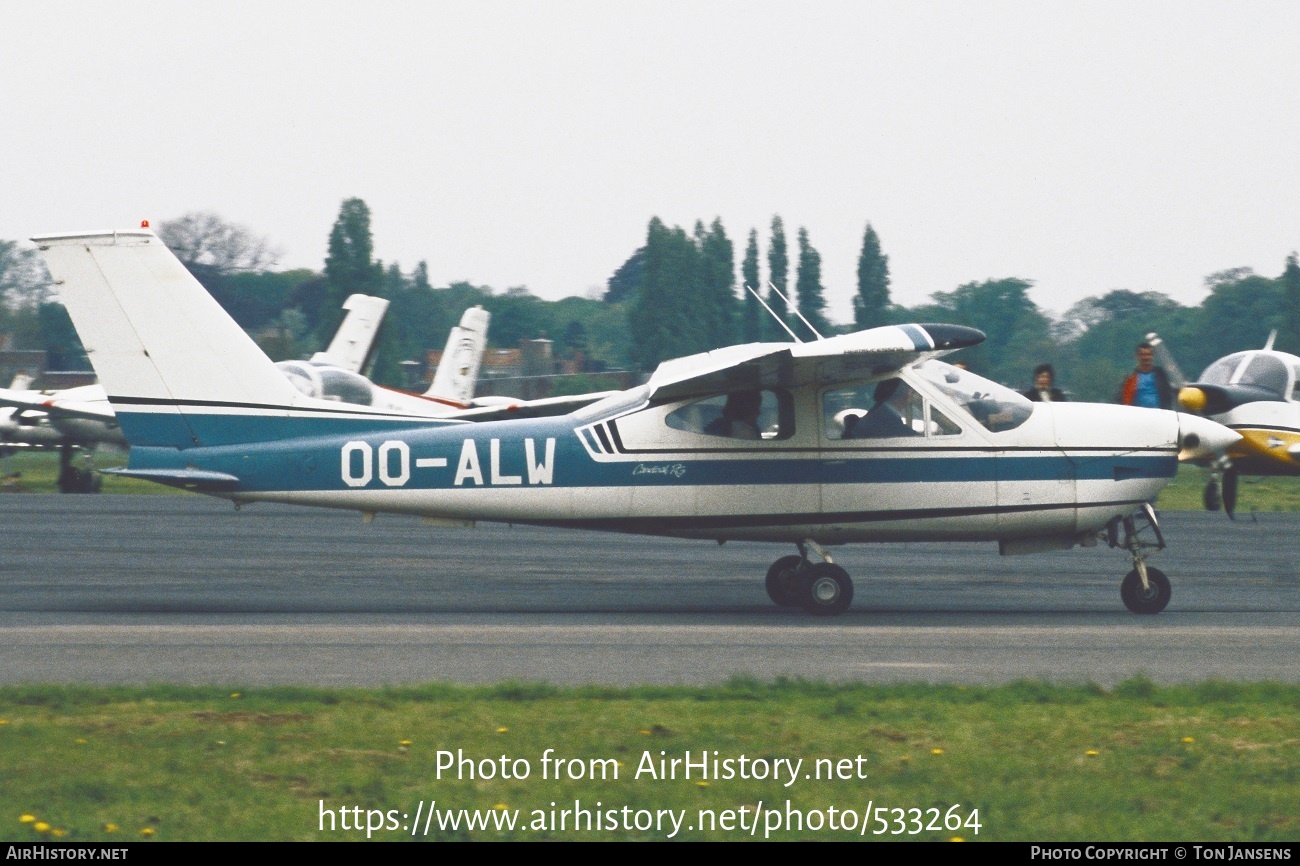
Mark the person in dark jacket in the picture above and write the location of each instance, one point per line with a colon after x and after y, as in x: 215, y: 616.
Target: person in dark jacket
x: 1148, y: 385
x: 1044, y: 390
x: 885, y: 420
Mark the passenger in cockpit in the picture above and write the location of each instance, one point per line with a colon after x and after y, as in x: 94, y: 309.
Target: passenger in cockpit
x: 739, y: 418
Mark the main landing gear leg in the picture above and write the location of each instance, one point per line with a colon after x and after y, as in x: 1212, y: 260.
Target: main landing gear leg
x: 1144, y: 589
x: 822, y: 589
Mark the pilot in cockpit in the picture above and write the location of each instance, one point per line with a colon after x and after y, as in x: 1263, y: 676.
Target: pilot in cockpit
x: 886, y: 419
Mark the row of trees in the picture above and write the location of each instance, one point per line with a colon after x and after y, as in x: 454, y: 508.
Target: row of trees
x: 676, y: 295
x: 683, y: 293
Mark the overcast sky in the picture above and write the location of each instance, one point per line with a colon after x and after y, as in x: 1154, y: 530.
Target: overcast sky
x: 1084, y: 146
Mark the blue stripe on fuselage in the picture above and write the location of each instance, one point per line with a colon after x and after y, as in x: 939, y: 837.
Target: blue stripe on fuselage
x: 315, y: 462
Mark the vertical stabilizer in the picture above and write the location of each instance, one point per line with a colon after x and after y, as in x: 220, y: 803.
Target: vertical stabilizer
x: 354, y: 341
x: 159, y: 342
x: 457, y: 374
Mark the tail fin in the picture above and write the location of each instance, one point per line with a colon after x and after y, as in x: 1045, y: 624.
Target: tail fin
x: 457, y: 373
x: 161, y: 345
x: 354, y: 342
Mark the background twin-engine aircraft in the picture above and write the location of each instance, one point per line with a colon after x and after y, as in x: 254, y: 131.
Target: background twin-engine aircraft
x: 859, y: 437
x: 82, y: 417
x: 1257, y: 394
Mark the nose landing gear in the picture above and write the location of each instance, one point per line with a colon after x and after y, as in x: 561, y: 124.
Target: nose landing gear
x: 1144, y: 589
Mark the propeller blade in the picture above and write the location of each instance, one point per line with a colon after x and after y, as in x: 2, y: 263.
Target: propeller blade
x: 1230, y: 492
x: 1211, y: 497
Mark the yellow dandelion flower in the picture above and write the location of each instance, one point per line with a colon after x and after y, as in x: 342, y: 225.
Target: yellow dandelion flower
x: 26, y: 819
x: 644, y: 733
x: 956, y: 839
x: 41, y: 827
x: 234, y: 694
x: 1092, y: 753
x: 701, y: 784
x: 936, y: 751
x: 905, y: 758
x: 500, y: 807
x: 59, y: 833
x: 110, y: 828
x: 4, y: 721
x: 82, y: 740
x: 1189, y: 740
x: 502, y: 730
x: 404, y: 743
x: 146, y: 832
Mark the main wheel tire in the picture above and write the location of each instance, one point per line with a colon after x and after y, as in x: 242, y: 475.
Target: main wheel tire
x: 783, y: 581
x: 827, y: 590
x: 1151, y: 600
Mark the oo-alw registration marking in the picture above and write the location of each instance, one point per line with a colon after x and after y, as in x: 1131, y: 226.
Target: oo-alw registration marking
x: 391, y: 462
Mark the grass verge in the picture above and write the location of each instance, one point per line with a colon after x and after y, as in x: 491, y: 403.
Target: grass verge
x: 1208, y: 762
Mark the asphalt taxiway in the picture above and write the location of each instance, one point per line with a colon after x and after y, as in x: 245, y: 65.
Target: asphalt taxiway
x: 139, y: 589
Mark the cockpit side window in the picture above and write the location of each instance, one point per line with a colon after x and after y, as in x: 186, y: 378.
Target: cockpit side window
x: 890, y: 409
x: 745, y: 415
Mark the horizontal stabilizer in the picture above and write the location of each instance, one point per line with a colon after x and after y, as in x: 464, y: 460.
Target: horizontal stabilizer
x: 54, y: 407
x: 191, y: 479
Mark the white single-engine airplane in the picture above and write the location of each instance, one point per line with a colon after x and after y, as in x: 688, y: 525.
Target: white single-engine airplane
x: 1257, y: 394
x: 767, y: 442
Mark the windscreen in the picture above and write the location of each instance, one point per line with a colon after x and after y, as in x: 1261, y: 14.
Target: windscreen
x: 1222, y: 370
x: 994, y: 406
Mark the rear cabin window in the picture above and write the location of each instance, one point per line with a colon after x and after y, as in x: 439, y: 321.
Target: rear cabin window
x: 742, y: 415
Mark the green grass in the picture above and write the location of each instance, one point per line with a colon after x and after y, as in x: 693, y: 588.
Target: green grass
x: 1253, y: 493
x: 38, y: 472
x: 1210, y: 762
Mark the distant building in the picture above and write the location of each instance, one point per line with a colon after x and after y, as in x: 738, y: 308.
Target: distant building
x: 19, y: 362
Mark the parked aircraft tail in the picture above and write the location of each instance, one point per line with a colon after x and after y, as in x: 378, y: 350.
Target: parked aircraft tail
x: 457, y: 373
x: 353, y: 346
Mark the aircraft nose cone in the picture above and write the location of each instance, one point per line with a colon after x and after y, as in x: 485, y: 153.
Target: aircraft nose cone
x: 1202, y: 439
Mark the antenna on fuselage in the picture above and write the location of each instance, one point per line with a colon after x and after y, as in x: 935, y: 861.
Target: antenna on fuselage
x: 779, y: 320
x: 1272, y: 335
x: 791, y: 306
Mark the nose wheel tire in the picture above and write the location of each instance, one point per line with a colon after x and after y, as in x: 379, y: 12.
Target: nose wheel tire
x: 827, y: 590
x: 1150, y: 600
x: 783, y: 581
